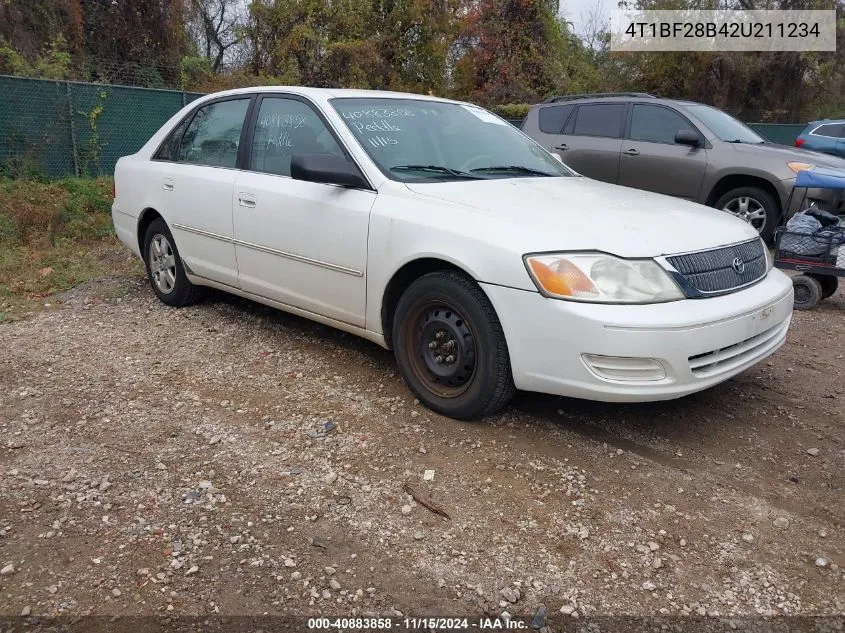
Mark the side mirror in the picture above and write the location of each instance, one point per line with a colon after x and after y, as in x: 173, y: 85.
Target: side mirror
x: 687, y: 137
x: 327, y: 169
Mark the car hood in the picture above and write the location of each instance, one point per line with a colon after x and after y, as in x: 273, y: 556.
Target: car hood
x: 791, y: 154
x: 544, y: 214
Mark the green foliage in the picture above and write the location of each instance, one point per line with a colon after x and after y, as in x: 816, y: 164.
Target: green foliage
x: 53, y: 63
x: 512, y: 110
x: 34, y: 213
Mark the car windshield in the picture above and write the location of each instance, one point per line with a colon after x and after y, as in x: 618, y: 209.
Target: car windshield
x: 414, y: 140
x: 724, y: 126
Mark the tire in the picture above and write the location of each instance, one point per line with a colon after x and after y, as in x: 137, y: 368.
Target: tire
x: 478, y: 380
x: 754, y: 205
x: 829, y: 284
x: 164, y: 268
x: 808, y: 292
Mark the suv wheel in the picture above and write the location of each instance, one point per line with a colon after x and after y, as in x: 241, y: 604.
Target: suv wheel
x: 754, y: 205
x: 450, y: 346
x: 164, y: 267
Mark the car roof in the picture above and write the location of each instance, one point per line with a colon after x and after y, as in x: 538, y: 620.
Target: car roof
x: 331, y: 93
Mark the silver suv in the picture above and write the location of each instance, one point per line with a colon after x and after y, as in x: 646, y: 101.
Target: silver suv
x: 680, y: 148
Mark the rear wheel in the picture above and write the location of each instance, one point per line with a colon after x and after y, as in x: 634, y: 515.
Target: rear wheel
x: 164, y: 267
x: 450, y: 346
x: 808, y: 292
x: 828, y: 283
x: 754, y: 205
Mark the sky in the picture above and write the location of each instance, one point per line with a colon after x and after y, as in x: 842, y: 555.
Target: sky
x: 576, y: 11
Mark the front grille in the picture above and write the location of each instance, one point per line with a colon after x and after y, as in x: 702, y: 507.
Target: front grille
x: 714, y: 271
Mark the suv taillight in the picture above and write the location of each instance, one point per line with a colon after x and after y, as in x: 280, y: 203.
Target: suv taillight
x: 799, y: 142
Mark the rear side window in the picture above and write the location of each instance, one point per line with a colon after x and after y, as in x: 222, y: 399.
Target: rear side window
x: 552, y: 118
x: 214, y: 134
x: 601, y: 119
x: 835, y: 130
x: 656, y: 124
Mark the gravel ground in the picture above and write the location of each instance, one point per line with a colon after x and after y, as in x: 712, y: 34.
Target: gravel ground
x: 159, y: 461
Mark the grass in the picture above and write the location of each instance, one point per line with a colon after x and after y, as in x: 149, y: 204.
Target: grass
x: 53, y: 236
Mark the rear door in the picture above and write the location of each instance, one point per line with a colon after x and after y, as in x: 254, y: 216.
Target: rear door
x: 651, y: 159
x: 195, y: 174
x: 548, y: 129
x: 592, y: 139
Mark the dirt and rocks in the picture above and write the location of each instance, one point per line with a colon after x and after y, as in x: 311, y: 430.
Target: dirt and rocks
x: 157, y: 461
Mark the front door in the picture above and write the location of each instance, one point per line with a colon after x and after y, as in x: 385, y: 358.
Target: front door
x: 301, y: 243
x: 651, y: 159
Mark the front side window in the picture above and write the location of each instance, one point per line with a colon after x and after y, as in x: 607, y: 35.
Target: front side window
x: 214, y: 134
x: 286, y: 127
x: 833, y: 130
x: 655, y: 124
x: 603, y: 119
x: 724, y: 126
x: 416, y: 140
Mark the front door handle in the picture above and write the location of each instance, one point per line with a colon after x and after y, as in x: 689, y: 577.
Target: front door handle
x: 246, y: 200
x: 562, y: 147
x: 167, y: 185
x: 631, y: 152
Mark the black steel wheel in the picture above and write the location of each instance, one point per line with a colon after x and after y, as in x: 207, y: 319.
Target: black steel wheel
x: 450, y: 347
x: 808, y: 292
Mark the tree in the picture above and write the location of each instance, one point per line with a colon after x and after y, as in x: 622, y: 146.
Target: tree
x: 215, y: 26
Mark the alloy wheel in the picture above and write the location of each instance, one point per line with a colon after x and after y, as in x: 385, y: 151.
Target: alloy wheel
x: 162, y: 263
x: 748, y: 209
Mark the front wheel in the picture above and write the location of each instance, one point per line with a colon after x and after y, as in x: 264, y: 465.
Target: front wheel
x: 450, y: 346
x: 755, y: 206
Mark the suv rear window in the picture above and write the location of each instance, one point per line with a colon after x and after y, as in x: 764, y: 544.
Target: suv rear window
x: 601, y: 119
x: 552, y: 118
x: 834, y: 130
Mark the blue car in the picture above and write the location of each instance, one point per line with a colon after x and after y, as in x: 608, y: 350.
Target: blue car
x: 826, y: 136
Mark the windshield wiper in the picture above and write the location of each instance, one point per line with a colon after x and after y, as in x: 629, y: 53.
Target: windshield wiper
x: 448, y: 171
x: 519, y: 169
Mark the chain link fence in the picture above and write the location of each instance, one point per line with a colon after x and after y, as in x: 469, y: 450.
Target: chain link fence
x: 66, y: 128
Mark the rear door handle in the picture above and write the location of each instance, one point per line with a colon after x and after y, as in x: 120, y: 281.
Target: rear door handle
x: 167, y: 185
x: 246, y: 200
x: 562, y: 147
x: 631, y: 152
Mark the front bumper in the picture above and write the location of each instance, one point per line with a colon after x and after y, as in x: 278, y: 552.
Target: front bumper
x: 698, y: 342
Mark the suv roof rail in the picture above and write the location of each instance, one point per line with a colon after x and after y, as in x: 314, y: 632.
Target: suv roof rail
x: 597, y: 95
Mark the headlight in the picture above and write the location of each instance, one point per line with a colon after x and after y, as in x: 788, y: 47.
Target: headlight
x: 796, y: 167
x: 601, y: 278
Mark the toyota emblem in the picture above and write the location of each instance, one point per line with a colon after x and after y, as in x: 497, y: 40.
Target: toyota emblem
x: 738, y: 265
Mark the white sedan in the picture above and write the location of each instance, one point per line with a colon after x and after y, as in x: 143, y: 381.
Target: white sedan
x: 436, y: 229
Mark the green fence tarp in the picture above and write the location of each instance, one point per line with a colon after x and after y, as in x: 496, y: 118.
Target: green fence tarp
x: 67, y: 128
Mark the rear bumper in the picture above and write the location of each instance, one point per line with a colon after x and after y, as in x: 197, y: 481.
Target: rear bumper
x: 698, y: 343
x: 126, y: 228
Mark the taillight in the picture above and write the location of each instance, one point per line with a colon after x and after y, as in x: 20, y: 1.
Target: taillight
x: 799, y: 142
